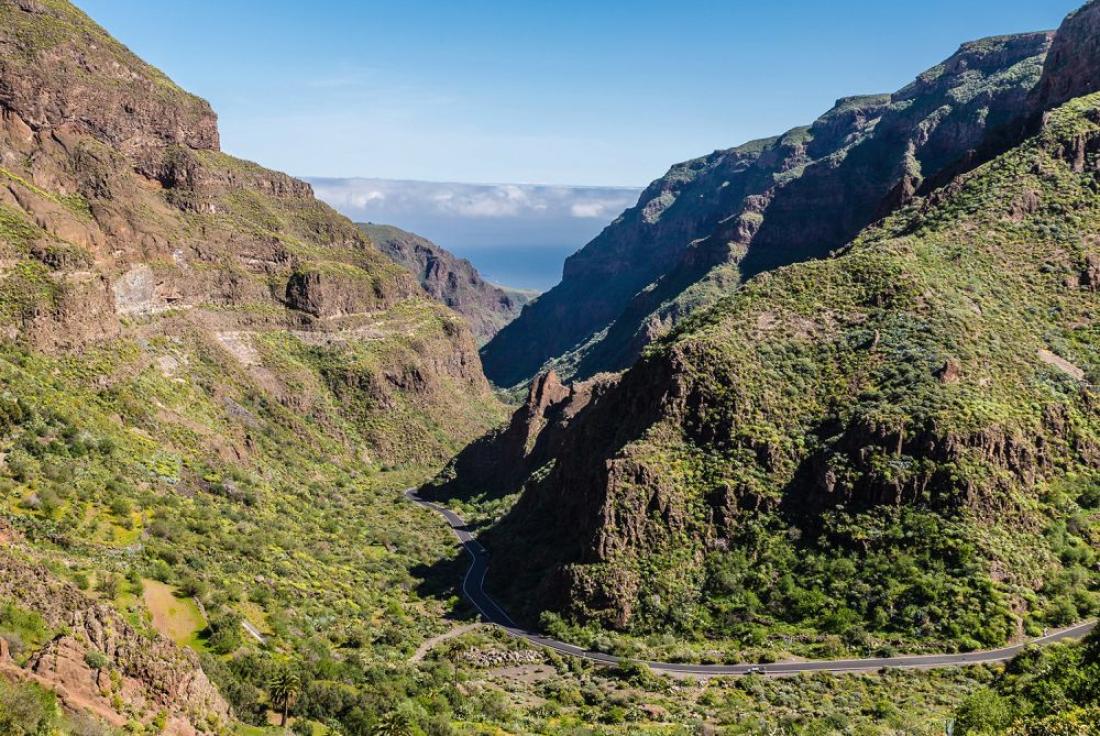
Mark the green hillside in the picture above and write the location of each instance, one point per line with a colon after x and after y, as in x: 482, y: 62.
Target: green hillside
x: 895, y: 447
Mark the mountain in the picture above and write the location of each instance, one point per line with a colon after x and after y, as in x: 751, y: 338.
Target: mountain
x: 210, y: 384
x: 898, y: 443
x: 123, y: 221
x: 713, y: 222
x: 213, y: 389
x: 451, y: 280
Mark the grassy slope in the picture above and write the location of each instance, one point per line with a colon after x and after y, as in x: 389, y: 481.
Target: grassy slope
x: 175, y: 617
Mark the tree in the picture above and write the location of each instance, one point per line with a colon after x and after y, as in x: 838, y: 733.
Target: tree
x: 394, y: 723
x: 224, y: 633
x: 285, y: 687
x: 984, y: 712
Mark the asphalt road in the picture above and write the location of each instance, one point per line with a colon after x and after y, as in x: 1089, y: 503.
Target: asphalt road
x: 473, y: 587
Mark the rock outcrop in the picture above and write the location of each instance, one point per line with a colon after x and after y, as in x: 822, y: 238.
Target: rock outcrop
x: 499, y: 462
x: 156, y: 675
x: 451, y: 280
x: 59, y: 71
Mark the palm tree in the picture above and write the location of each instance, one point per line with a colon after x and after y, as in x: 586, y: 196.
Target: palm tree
x: 284, y: 687
x: 394, y: 724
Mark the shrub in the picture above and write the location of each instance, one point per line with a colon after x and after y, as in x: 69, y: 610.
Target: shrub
x: 193, y: 587
x: 120, y: 507
x: 27, y: 710
x: 133, y: 579
x: 984, y: 712
x: 636, y: 673
x: 96, y: 660
x: 22, y: 628
x: 224, y: 634
x: 109, y: 586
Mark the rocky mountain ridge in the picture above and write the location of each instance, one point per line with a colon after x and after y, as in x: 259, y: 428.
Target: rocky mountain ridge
x: 715, y: 221
x: 1073, y: 66
x: 451, y: 280
x: 676, y: 463
x: 500, y: 462
x: 118, y: 205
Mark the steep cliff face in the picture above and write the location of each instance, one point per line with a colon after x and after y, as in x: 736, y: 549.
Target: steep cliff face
x: 450, y: 280
x: 499, y: 462
x: 641, y: 245
x: 59, y: 70
x: 715, y: 221
x: 931, y: 125
x: 926, y: 397
x: 1073, y: 65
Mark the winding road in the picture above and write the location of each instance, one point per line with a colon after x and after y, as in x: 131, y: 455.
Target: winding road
x: 473, y: 587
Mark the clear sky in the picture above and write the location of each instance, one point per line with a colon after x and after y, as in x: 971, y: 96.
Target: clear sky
x: 595, y: 92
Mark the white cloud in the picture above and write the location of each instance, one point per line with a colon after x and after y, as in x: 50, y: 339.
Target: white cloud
x: 362, y: 200
x: 487, y: 207
x: 507, y: 200
x: 344, y: 197
x: 588, y: 209
x: 382, y: 200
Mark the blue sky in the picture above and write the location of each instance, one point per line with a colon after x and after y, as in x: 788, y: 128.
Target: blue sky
x: 564, y: 92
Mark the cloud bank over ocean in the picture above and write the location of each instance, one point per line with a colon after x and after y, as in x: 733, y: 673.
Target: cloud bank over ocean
x: 516, y: 234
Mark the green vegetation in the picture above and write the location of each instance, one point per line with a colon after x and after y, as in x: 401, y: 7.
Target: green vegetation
x: 25, y: 631
x: 361, y: 382
x: 888, y: 450
x: 321, y: 532
x: 29, y: 710
x: 26, y: 710
x: 27, y: 289
x: 16, y: 232
x: 212, y: 452
x: 1049, y: 691
x: 333, y: 561
x: 76, y: 202
x: 451, y: 693
x: 233, y: 448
